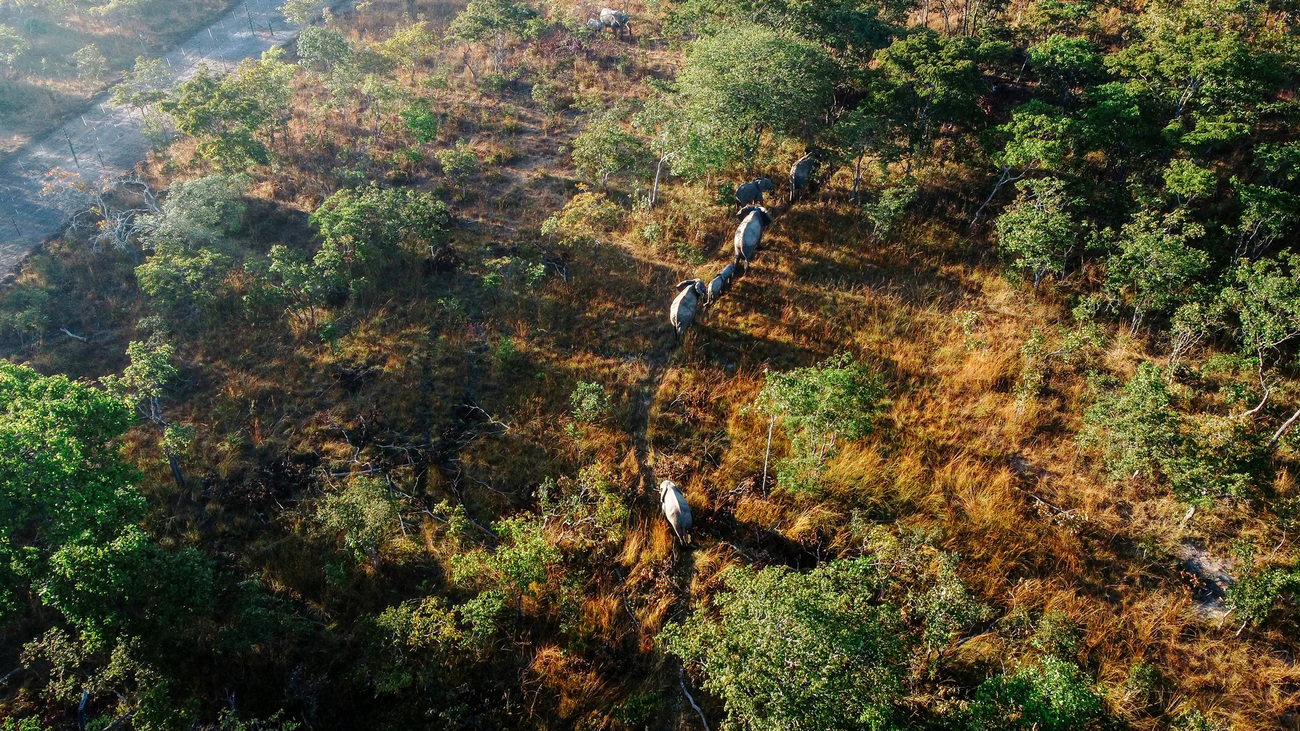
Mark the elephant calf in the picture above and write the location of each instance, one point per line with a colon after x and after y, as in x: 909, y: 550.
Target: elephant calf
x: 687, y: 304
x: 750, y: 231
x: 676, y: 510
x: 719, y: 285
x: 752, y: 192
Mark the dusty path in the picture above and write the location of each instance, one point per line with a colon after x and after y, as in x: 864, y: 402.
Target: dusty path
x: 109, y: 140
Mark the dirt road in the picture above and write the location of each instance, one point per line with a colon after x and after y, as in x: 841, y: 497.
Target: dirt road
x: 111, y: 140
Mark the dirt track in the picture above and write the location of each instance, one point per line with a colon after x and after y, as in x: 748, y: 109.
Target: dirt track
x: 111, y: 140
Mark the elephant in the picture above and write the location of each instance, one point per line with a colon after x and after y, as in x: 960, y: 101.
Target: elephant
x: 720, y: 284
x: 802, y: 172
x: 752, y: 192
x: 750, y: 231
x: 686, y: 305
x: 594, y: 25
x: 676, y: 510
x: 616, y: 20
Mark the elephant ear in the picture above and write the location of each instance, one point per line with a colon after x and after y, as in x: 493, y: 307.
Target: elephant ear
x: 684, y: 284
x: 744, y: 212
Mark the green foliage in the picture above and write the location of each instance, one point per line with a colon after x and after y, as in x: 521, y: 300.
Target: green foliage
x: 603, y: 148
x: 144, y: 85
x: 582, y: 218
x: 128, y: 587
x: 889, y: 206
x: 1155, y: 268
x: 1053, y: 695
x: 415, y: 638
x: 929, y: 80
x: 301, y: 12
x: 589, y: 402
x: 519, y: 567
x: 92, y: 66
x: 824, y: 649
x: 223, y: 117
x: 1066, y: 63
x: 327, y: 47
x: 187, y: 269
x: 459, y: 163
x: 407, y: 46
x: 1259, y: 586
x: 494, y: 23
x: 1038, y: 229
x: 364, y: 515
x: 1265, y: 297
x: 740, y: 83
x: 62, y: 482
x: 589, y: 511
x: 837, y: 399
x: 1188, y: 180
x: 422, y: 123
x: 1139, y: 431
x: 369, y: 224
x: 1038, y: 137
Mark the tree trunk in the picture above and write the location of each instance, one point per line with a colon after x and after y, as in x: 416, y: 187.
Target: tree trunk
x: 654, y: 192
x: 1002, y: 180
x: 176, y: 469
x: 1282, y: 430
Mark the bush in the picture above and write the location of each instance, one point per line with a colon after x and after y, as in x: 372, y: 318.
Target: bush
x: 589, y: 402
x: 1053, y: 695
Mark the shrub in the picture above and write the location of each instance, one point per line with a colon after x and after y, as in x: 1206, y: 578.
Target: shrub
x: 589, y: 402
x: 1053, y: 695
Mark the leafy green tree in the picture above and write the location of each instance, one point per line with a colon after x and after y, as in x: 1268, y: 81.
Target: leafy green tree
x: 268, y: 81
x: 62, y: 481
x: 129, y: 587
x: 518, y: 568
x: 326, y: 47
x: 1066, y: 63
x: 92, y: 66
x: 819, y: 406
x: 370, y: 224
x: 1038, y: 229
x: 1136, y: 427
x: 589, y: 402
x: 493, y: 23
x: 748, y: 80
x: 12, y: 45
x: 301, y: 12
x: 144, y: 85
x: 1155, y: 269
x: 407, y: 47
x: 1203, y: 69
x: 786, y: 650
x: 223, y: 117
x: 1187, y: 180
x: 1258, y: 587
x: 603, y: 148
x: 363, y: 514
x: 186, y: 270
x: 825, y: 649
x: 459, y: 163
x: 1139, y: 431
x: 141, y: 387
x: 930, y: 80
x: 1038, y: 137
x: 1053, y: 695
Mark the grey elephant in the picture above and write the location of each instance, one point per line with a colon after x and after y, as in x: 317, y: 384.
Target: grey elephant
x: 676, y: 510
x: 616, y: 20
x: 686, y: 305
x: 802, y: 172
x: 719, y: 285
x: 750, y: 231
x: 752, y: 192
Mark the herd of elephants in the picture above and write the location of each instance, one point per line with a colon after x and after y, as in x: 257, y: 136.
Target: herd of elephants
x: 693, y: 295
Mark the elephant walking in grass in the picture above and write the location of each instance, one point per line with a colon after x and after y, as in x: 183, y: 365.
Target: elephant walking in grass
x: 801, y: 174
x: 676, y: 510
x: 719, y: 285
x: 691, y: 295
x: 752, y: 192
x: 616, y: 20
x: 749, y: 233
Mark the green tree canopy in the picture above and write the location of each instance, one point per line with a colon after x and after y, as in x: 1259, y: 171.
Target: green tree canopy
x: 749, y: 80
x: 1038, y: 230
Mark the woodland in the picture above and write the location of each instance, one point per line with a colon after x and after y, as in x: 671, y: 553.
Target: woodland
x: 350, y: 406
